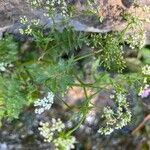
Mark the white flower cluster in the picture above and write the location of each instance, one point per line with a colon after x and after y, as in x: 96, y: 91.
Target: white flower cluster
x: 45, y: 131
x: 64, y: 143
x: 64, y: 9
x: 50, y: 132
x: 136, y: 39
x: 146, y: 70
x: 23, y: 20
x: 44, y: 104
x: 93, y: 5
x: 56, y: 6
x: 146, y: 9
x: 35, y: 3
x: 135, y: 36
x: 28, y: 30
x: 116, y: 120
x: 4, y: 66
x: 52, y: 7
x: 35, y: 22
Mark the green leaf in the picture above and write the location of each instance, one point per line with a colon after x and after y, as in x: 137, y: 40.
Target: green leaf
x: 12, y: 96
x: 56, y: 76
x: 8, y: 49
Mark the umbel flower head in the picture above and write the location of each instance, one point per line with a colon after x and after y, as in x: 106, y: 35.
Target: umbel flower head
x: 51, y: 7
x: 44, y: 103
x: 66, y: 143
x: 116, y: 119
x: 47, y: 130
x: 146, y: 70
x: 52, y: 132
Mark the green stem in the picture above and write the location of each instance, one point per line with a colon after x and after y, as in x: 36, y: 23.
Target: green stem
x: 85, y: 92
x: 86, y: 84
x: 84, y: 113
x: 46, y: 46
x: 80, y: 81
x: 63, y: 102
x: 124, y: 31
x: 87, y: 55
x: 82, y: 84
x: 54, y: 24
x: 69, y: 107
x: 77, y: 126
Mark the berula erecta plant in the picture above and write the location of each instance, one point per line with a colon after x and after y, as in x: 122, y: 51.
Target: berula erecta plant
x: 51, y: 68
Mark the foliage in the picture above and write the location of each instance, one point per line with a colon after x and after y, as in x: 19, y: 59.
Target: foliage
x: 53, y: 65
x: 12, y: 99
x: 54, y: 133
x: 8, y: 50
x: 137, y: 38
x: 116, y: 119
x: 56, y: 77
x: 111, y: 55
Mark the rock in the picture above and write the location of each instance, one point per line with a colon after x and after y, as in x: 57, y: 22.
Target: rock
x: 133, y: 64
x: 127, y: 3
x: 111, y: 10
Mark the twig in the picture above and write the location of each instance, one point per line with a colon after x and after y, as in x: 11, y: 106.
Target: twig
x: 141, y: 124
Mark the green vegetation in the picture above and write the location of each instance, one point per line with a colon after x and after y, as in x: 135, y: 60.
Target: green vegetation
x: 52, y: 64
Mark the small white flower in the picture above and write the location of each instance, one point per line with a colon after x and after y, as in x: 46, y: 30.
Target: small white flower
x: 44, y: 104
x: 5, y: 66
x: 21, y: 31
x: 50, y: 132
x: 28, y: 30
x: 65, y: 143
x: 146, y: 70
x: 35, y: 22
x: 119, y: 119
x: 23, y: 20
